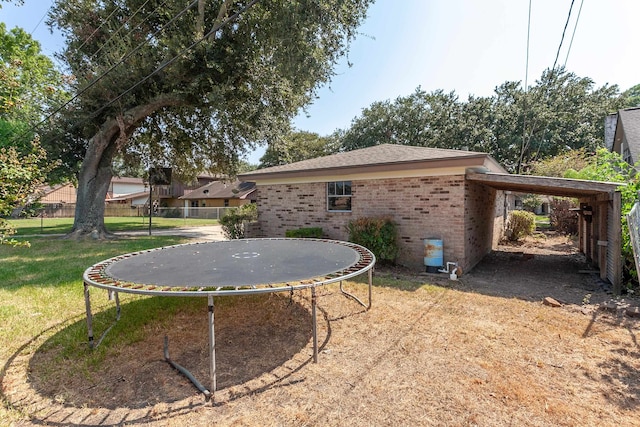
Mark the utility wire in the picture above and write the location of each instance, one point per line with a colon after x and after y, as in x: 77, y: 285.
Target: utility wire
x: 574, y: 33
x: 104, y: 21
x: 562, y: 38
x: 525, y: 141
x: 526, y: 68
x: 526, y: 84
x: 106, y: 43
x: 182, y: 52
x: 124, y: 58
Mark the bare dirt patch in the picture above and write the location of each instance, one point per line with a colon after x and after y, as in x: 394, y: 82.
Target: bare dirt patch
x: 481, y: 351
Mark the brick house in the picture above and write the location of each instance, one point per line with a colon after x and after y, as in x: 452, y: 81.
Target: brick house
x: 424, y: 190
x: 459, y: 197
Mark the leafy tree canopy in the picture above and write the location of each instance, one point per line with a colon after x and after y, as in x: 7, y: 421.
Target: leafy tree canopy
x: 561, y: 112
x: 561, y: 165
x: 29, y: 86
x: 632, y: 97
x: 20, y: 176
x: 296, y: 146
x: 191, y: 86
x: 420, y: 119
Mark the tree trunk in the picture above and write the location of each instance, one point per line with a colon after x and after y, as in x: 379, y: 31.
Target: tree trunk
x: 93, y: 183
x: 95, y: 173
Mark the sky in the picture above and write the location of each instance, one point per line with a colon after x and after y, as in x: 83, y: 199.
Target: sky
x: 466, y: 46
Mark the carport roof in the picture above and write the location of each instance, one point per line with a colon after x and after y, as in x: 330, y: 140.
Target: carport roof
x: 543, y: 184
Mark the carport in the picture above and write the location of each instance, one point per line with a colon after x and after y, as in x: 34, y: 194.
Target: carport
x: 599, y: 230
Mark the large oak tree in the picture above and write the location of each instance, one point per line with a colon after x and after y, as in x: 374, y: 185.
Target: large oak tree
x: 560, y: 112
x: 192, y: 86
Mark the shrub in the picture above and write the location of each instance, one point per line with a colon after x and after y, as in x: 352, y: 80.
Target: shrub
x: 520, y: 224
x: 233, y: 221
x: 531, y: 202
x: 561, y: 217
x: 305, y: 232
x: 379, y: 235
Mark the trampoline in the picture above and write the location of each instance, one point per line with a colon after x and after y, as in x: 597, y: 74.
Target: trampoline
x: 234, y: 267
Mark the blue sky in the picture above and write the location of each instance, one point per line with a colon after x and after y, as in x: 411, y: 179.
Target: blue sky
x: 466, y: 46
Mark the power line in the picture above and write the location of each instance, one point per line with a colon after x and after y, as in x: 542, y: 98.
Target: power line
x: 525, y: 141
x: 182, y: 52
x: 526, y: 84
x: 124, y: 24
x: 562, y: 38
x: 526, y: 70
x: 104, y: 74
x: 41, y: 19
x: 104, y: 21
x: 574, y: 33
x: 160, y: 68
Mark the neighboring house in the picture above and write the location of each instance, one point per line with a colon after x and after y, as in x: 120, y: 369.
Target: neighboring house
x: 56, y: 194
x: 451, y: 195
x: 622, y: 134
x: 121, y: 186
x: 134, y: 192
x: 218, y: 194
x: 169, y: 195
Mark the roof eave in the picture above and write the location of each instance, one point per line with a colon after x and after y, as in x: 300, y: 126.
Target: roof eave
x: 464, y: 162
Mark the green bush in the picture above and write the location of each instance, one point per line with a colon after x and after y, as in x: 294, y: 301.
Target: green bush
x: 233, y: 221
x: 379, y: 235
x: 520, y: 224
x: 305, y: 232
x: 561, y: 217
x: 531, y: 202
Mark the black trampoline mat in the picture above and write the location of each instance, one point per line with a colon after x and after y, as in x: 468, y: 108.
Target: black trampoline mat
x: 243, y: 262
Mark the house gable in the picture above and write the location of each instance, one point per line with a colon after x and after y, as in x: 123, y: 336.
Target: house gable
x: 626, y: 140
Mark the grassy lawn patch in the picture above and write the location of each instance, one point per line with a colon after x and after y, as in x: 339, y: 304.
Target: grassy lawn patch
x: 542, y: 222
x: 31, y: 226
x: 429, y: 352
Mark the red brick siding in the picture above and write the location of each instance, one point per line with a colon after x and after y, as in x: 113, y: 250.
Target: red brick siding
x: 428, y: 207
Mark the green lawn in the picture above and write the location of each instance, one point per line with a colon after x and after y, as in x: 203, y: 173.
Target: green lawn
x: 41, y: 291
x: 31, y: 226
x: 542, y: 221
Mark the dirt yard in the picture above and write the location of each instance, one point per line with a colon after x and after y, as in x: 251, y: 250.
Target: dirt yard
x: 480, y: 351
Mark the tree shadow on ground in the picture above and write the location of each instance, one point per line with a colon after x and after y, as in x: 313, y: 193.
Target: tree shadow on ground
x: 253, y: 336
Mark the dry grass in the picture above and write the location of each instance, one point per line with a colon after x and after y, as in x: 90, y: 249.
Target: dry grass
x: 423, y: 355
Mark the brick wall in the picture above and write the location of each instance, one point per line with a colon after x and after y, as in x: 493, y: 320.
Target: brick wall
x: 427, y: 207
x: 484, y: 209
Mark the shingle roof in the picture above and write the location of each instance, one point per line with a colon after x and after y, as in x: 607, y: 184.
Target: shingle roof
x: 629, y: 119
x: 383, y: 154
x: 221, y: 190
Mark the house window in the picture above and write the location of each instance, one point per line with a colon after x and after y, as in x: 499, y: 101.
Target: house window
x: 339, y: 196
x: 226, y: 203
x: 194, y: 203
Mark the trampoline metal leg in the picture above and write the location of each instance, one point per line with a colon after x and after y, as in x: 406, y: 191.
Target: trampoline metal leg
x: 212, y: 350
x: 314, y: 324
x: 355, y: 298
x: 87, y: 303
x: 117, y: 295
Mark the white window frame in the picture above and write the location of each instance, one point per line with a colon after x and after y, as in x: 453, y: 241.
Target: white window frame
x: 339, y: 190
